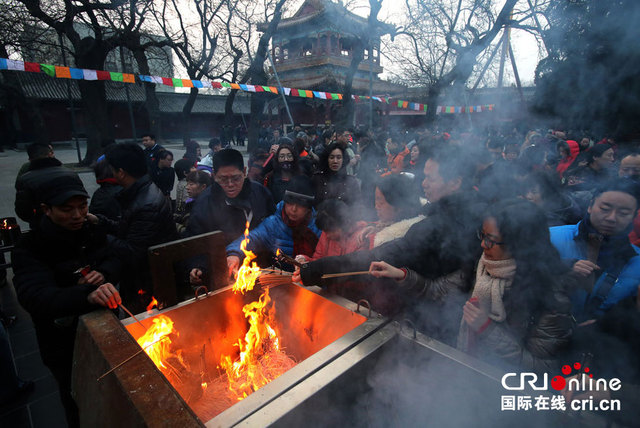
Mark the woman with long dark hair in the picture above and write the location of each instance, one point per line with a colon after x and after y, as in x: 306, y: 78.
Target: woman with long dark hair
x: 543, y: 189
x: 285, y: 167
x: 600, y: 160
x: 332, y: 181
x: 518, y: 315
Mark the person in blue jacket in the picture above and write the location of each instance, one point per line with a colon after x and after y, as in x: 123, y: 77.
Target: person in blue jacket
x: 292, y: 228
x: 605, y: 262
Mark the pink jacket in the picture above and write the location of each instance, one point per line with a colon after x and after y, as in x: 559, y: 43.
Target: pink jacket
x: 327, y: 247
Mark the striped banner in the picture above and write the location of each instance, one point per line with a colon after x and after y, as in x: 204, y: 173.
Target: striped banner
x: 61, y: 72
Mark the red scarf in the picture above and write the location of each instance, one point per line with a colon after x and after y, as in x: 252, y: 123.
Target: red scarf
x: 109, y: 180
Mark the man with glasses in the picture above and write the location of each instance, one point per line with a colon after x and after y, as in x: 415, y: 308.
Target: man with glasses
x: 229, y: 203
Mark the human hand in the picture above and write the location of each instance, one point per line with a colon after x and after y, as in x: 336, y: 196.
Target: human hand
x: 106, y: 295
x: 195, y: 276
x: 274, y: 148
x: 296, y: 276
x: 363, y: 235
x: 93, y: 278
x: 91, y: 218
x: 233, y: 263
x: 474, y: 315
x: 585, y: 268
x: 385, y: 270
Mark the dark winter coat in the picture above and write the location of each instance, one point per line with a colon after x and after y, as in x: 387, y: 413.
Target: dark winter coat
x: 146, y: 220
x: 105, y: 202
x: 151, y: 154
x: 444, y: 242
x: 330, y: 185
x: 44, y: 262
x: 276, y: 185
x: 564, y: 210
x: 213, y: 211
x: 164, y: 178
x: 27, y: 202
x: 536, y: 334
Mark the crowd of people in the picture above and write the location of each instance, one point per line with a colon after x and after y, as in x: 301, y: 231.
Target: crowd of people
x: 518, y: 249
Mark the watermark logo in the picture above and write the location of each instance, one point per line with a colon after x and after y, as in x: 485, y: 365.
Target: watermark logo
x: 575, y: 389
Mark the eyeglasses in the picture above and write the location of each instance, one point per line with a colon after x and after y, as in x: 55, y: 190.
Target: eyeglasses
x: 285, y: 156
x: 488, y: 242
x: 234, y: 179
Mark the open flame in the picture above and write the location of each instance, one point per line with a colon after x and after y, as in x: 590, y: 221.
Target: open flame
x: 249, y: 271
x: 156, y: 341
x: 153, y: 303
x: 247, y: 374
x: 259, y: 361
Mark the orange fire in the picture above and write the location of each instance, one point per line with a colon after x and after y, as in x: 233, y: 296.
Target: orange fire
x: 247, y: 373
x: 249, y: 272
x: 156, y: 341
x: 153, y: 303
x: 257, y: 362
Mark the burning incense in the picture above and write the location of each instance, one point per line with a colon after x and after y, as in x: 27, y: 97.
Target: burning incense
x: 131, y: 315
x: 338, y: 275
x: 131, y: 357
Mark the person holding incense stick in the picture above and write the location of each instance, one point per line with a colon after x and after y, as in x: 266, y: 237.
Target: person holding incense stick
x: 64, y: 268
x: 292, y: 228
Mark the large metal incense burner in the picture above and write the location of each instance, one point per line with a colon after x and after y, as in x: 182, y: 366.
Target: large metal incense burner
x: 349, y: 367
x: 313, y: 331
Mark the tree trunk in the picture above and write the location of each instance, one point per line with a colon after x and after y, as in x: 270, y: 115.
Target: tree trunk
x: 258, y: 101
x: 432, y: 103
x: 98, y: 124
x: 348, y: 109
x: 228, y: 107
x: 186, y: 115
x: 152, y: 105
x: 91, y: 55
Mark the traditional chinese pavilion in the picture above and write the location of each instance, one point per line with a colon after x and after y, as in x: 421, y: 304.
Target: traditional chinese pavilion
x: 313, y: 50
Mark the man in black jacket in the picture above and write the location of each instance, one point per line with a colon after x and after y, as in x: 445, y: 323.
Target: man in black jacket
x: 163, y: 175
x: 444, y: 242
x: 229, y: 203
x: 146, y: 220
x: 62, y: 270
x: 42, y: 168
x: 151, y: 150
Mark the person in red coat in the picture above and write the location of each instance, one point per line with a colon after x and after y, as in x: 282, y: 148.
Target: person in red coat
x: 340, y: 232
x: 567, y: 150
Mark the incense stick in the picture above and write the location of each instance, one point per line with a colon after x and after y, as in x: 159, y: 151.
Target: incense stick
x: 131, y: 315
x: 338, y: 275
x: 131, y: 357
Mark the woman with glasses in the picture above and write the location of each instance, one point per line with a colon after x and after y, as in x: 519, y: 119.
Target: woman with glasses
x: 285, y: 167
x: 518, y: 315
x: 332, y: 181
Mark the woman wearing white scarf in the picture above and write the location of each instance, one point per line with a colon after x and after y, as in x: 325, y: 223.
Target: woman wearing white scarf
x: 519, y: 312
x: 518, y: 315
